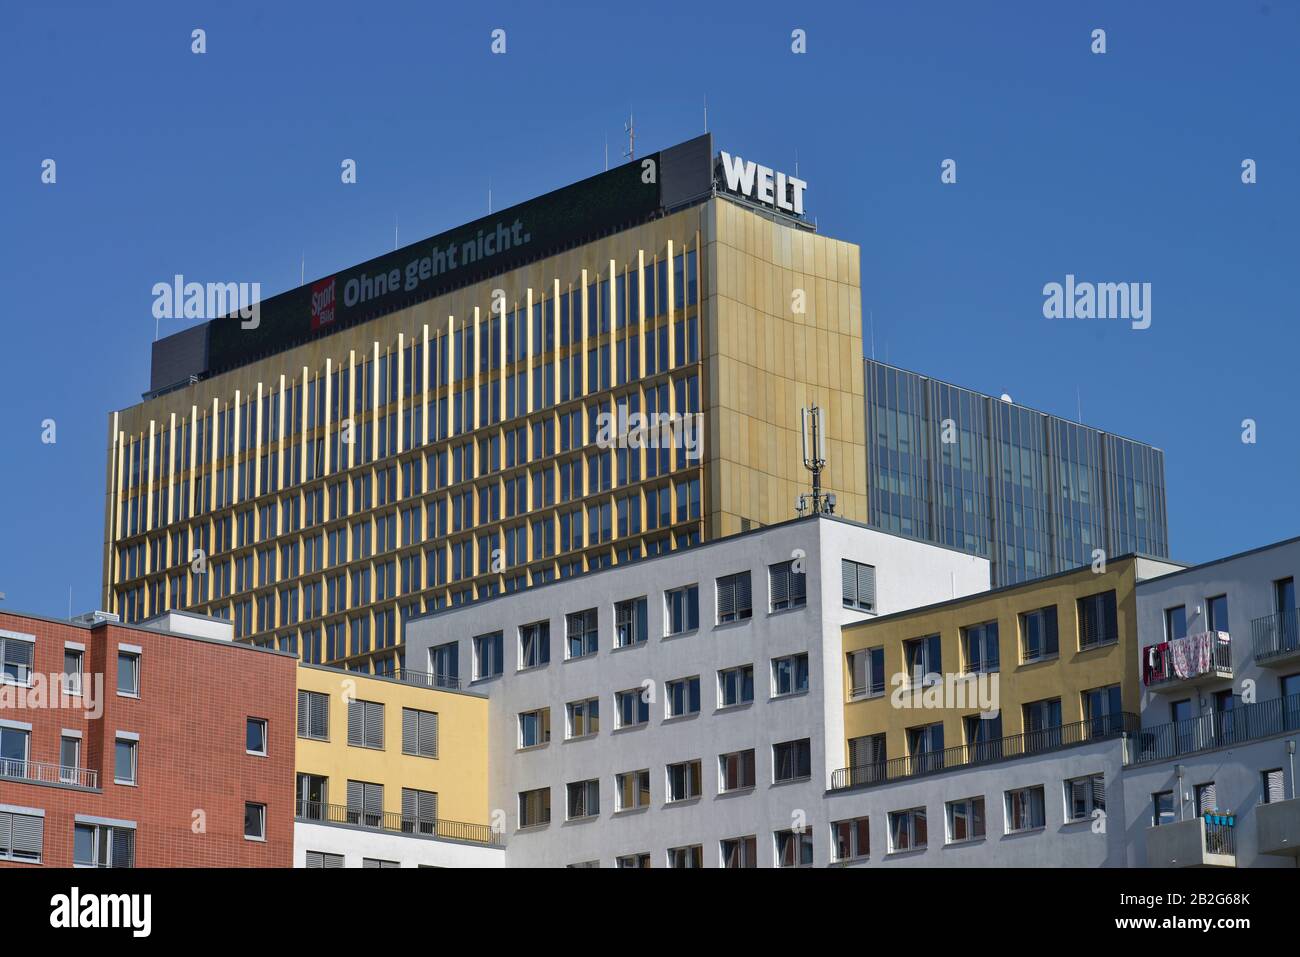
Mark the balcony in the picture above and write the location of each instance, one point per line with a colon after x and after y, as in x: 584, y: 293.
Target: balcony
x: 1279, y: 828
x: 1209, y: 841
x: 1218, y: 729
x: 985, y: 752
x: 38, y: 772
x: 1276, y: 639
x: 426, y: 679
x: 1175, y: 666
x: 318, y: 813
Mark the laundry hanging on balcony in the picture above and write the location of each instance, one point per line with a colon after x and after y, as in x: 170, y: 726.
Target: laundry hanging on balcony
x: 1154, y: 663
x: 1193, y: 655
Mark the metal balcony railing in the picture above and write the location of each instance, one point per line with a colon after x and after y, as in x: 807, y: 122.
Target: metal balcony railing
x: 1220, y: 834
x: 398, y: 823
x: 1216, y: 729
x: 986, y: 752
x: 1163, y: 672
x: 427, y: 679
x: 1276, y: 635
x: 43, y: 773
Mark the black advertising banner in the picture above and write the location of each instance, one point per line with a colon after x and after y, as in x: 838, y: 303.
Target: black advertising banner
x: 621, y: 197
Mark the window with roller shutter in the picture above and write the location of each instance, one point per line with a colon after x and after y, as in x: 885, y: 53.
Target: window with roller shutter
x: 735, y: 598
x: 365, y: 803
x: 1085, y: 795
x: 313, y: 715
x: 419, y: 811
x: 316, y: 859
x: 22, y: 836
x: 16, y: 657
x: 787, y: 588
x: 1206, y: 799
x: 420, y: 733
x: 1274, y: 786
x: 1098, y: 624
x: 366, y: 724
x: 858, y: 585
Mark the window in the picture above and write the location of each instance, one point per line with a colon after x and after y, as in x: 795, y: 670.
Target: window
x: 534, y: 728
x: 444, y: 662
x: 128, y: 673
x: 690, y: 856
x: 311, y: 791
x: 580, y: 629
x: 633, y: 708
x: 736, y: 771
x: 633, y: 790
x: 73, y: 663
x: 907, y: 830
x: 1206, y: 799
x: 1216, y: 614
x: 923, y: 659
x: 859, y: 585
x: 254, y: 822
x: 255, y: 736
x: 789, y: 675
x: 534, y: 808
x: 793, y: 848
x: 488, y: 656
x: 1038, y: 637
x: 1025, y: 809
x: 366, y: 724
x: 683, y: 781
x: 630, y: 625
x: 965, y: 820
x: 1273, y: 786
x: 125, y: 752
x: 1098, y: 624
x: 16, y: 652
x: 419, y: 811
x: 791, y: 760
x: 583, y: 799
x: 583, y: 717
x: 1085, y: 795
x: 534, y: 645
x: 316, y: 859
x: 1103, y: 709
x: 980, y: 644
x: 867, y: 759
x: 420, y: 733
x: 740, y: 851
x: 102, y: 845
x: 735, y: 686
x: 313, y: 715
x: 925, y: 747
x: 15, y: 745
x: 683, y: 697
x: 735, y: 600
x: 682, y: 610
x: 1162, y: 808
x: 70, y: 758
x: 22, y: 836
x: 1042, y: 723
x: 788, y: 588
x: 1175, y: 623
x: 867, y: 673
x: 632, y: 861
x: 365, y: 803
x: 375, y: 862
x: 850, y: 840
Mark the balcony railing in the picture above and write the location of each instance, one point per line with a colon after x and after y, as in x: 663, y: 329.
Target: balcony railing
x: 1220, y: 834
x: 987, y: 752
x: 1162, y: 670
x: 43, y: 773
x: 398, y: 823
x: 1276, y: 635
x: 1216, y: 729
x: 427, y: 679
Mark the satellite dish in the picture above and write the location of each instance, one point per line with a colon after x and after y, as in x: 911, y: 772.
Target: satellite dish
x: 1006, y: 397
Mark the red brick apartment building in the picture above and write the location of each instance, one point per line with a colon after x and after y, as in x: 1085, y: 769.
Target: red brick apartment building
x: 151, y: 745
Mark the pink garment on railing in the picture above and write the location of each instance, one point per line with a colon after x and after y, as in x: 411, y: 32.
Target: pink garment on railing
x: 1192, y: 656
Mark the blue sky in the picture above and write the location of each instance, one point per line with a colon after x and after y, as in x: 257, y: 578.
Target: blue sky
x: 1116, y: 167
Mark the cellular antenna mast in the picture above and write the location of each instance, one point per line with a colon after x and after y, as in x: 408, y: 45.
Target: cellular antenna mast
x: 813, y: 435
x: 630, y: 130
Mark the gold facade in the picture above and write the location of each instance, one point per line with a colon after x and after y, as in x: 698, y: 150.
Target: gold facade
x: 293, y: 497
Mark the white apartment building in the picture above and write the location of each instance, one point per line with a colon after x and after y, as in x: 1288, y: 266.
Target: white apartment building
x: 1211, y: 775
x: 684, y: 710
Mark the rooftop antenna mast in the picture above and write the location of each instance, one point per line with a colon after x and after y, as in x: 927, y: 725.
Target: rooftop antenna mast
x: 813, y: 435
x: 631, y: 137
x: 606, y: 152
x: 706, y: 113
x: 489, y: 195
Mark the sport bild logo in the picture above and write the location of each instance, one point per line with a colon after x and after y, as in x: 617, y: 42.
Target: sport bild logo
x: 946, y: 692
x: 322, y: 303
x: 1129, y: 301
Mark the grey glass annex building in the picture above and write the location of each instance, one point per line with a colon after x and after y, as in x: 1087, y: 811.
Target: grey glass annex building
x: 1034, y: 493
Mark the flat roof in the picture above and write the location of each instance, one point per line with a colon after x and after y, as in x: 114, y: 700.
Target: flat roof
x: 140, y: 627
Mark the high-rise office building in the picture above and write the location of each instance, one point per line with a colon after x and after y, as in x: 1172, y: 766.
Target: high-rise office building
x: 458, y: 418
x: 1034, y: 493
